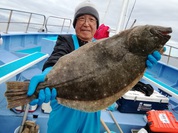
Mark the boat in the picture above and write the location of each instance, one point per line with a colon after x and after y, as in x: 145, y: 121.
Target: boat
x: 27, y: 40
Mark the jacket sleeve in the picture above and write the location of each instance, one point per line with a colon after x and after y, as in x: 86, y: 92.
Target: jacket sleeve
x: 64, y: 45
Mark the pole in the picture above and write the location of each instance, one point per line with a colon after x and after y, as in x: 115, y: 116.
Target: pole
x: 122, y: 16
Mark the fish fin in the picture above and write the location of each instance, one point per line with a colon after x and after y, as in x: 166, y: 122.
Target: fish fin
x: 16, y: 94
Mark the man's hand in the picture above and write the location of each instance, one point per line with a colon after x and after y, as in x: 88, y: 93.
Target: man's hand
x: 45, y: 95
x: 153, y: 58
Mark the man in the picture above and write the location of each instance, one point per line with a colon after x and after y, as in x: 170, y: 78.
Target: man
x: 63, y: 119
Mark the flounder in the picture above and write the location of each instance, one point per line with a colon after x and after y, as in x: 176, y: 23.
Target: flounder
x: 98, y: 73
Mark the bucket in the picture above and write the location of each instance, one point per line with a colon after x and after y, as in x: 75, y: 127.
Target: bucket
x: 17, y: 130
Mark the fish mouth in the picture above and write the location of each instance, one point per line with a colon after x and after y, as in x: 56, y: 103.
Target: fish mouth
x: 162, y: 32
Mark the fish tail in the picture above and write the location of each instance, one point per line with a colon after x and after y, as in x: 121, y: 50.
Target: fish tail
x: 16, y: 94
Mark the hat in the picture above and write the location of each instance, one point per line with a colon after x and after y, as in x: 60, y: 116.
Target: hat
x: 85, y: 8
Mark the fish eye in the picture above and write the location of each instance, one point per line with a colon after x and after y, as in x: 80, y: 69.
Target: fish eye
x: 156, y: 38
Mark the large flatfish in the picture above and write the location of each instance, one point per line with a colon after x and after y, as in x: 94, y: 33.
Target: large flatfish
x: 98, y: 73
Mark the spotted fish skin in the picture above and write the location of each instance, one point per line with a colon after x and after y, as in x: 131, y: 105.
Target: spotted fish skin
x: 98, y: 73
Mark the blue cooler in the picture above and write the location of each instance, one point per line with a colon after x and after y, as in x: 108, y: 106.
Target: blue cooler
x: 137, y: 102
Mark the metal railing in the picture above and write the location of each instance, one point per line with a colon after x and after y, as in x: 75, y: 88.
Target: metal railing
x: 170, y: 57
x: 54, y: 23
x: 21, y: 21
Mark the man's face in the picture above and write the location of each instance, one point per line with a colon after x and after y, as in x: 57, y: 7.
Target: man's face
x: 86, y: 27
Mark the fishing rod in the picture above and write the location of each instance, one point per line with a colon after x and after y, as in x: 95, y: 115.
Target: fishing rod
x: 130, y: 16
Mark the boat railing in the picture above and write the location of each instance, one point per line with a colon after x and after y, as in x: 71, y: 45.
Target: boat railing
x: 22, y: 21
x: 58, y: 24
x: 170, y: 56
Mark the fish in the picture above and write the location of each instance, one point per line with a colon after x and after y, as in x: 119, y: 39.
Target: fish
x: 97, y: 74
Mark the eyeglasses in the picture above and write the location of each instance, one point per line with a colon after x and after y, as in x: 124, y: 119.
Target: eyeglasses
x: 90, y: 20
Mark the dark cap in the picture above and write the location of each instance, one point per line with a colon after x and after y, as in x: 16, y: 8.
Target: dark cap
x: 83, y: 9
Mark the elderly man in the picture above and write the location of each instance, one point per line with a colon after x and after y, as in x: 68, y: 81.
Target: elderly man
x: 63, y: 119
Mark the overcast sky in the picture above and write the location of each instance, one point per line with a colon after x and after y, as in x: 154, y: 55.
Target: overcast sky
x: 155, y: 12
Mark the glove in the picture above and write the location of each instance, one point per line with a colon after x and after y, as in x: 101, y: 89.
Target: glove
x: 102, y: 32
x: 44, y: 95
x: 153, y: 58
x: 54, y: 104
